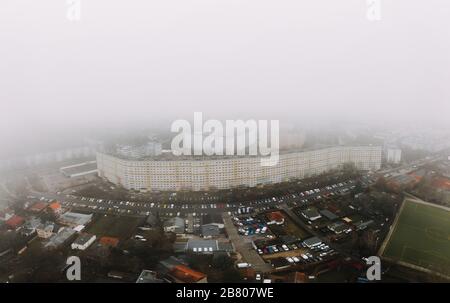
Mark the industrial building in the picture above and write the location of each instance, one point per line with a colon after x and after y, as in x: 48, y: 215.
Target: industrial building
x: 83, y: 241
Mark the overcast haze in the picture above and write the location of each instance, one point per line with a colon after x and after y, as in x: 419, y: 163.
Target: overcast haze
x: 134, y: 61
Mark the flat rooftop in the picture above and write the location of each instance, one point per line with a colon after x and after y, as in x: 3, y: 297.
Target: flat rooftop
x: 79, y: 168
x: 312, y: 241
x: 75, y: 218
x: 61, y: 237
x: 148, y: 276
x: 168, y: 155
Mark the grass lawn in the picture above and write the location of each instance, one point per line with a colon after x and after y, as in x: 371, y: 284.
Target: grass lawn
x: 289, y: 228
x: 114, y: 226
x: 421, y: 237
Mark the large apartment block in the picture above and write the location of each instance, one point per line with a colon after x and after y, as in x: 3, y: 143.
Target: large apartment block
x: 204, y: 173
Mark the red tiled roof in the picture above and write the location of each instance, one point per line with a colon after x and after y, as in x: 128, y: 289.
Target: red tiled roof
x: 442, y: 183
x: 275, y: 216
x: 37, y: 207
x: 15, y: 221
x: 55, y: 206
x: 109, y: 241
x: 187, y: 274
x: 300, y: 277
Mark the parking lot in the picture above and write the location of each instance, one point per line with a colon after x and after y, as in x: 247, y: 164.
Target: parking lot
x: 197, y: 209
x: 244, y: 247
x: 266, y: 233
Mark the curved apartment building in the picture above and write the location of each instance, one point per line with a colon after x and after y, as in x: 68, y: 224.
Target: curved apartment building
x: 204, y: 173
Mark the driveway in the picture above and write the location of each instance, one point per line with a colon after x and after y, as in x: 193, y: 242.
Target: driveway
x: 244, y: 246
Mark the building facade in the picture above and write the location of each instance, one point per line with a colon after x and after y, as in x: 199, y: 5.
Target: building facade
x: 394, y: 155
x: 46, y: 230
x: 206, y: 173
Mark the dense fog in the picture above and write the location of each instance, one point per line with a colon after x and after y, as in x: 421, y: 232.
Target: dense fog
x: 141, y: 64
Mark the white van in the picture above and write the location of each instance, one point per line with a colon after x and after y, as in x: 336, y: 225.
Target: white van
x: 243, y: 265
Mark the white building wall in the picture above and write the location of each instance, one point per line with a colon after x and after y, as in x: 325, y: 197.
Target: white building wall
x: 234, y: 171
x: 394, y: 155
x: 84, y: 246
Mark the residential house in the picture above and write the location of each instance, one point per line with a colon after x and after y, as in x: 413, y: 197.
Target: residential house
x: 72, y: 219
x: 311, y: 214
x: 83, y: 241
x: 275, y: 217
x: 38, y: 207
x: 14, y: 222
x: 55, y: 208
x: 45, y: 230
x: 177, y: 271
x: 59, y: 239
x: 175, y: 225
x: 184, y: 274
x: 30, y: 226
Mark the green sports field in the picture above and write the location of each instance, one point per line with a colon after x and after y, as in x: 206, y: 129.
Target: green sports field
x: 421, y: 237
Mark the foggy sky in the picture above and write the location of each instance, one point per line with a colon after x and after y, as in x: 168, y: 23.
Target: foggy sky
x: 143, y: 61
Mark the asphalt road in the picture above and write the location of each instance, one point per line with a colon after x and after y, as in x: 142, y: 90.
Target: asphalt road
x: 179, y: 208
x: 244, y: 247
